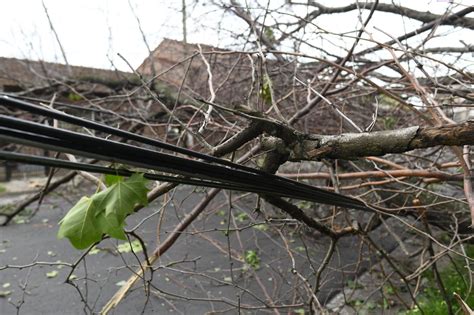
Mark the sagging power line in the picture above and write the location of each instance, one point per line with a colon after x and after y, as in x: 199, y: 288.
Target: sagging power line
x: 208, y: 171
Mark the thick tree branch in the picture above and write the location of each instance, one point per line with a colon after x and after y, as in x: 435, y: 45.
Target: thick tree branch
x: 425, y: 27
x: 355, y: 145
x: 378, y: 174
x: 273, y: 159
x: 425, y: 17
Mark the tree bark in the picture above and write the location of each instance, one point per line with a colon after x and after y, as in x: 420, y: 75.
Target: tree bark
x: 355, y: 145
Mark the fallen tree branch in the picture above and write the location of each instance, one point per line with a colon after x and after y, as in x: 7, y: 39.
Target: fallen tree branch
x: 425, y: 17
x: 160, y: 250
x: 20, y: 207
x: 355, y: 145
x: 377, y: 174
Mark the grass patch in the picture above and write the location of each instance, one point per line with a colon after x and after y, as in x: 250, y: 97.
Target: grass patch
x: 455, y: 279
x: 2, y: 189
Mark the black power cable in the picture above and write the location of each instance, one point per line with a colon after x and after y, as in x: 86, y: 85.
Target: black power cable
x: 58, y: 163
x: 59, y: 145
x: 141, y: 157
x: 48, y: 112
x: 229, y: 174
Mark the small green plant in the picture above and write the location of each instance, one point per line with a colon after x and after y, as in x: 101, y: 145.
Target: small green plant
x: 73, y: 97
x: 356, y: 302
x: 370, y: 305
x: 388, y: 289
x: 432, y: 302
x: 221, y: 213
x: 252, y: 259
x: 354, y: 285
x: 241, y: 217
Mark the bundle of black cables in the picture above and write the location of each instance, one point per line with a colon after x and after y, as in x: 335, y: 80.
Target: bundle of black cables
x: 204, y: 170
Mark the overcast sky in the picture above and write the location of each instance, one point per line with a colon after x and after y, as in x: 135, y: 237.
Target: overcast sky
x: 92, y: 32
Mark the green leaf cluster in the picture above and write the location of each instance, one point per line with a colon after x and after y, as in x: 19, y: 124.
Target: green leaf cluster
x: 252, y: 259
x: 104, y: 212
x: 455, y: 278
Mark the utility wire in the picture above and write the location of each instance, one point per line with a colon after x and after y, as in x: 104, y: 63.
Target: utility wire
x: 229, y: 174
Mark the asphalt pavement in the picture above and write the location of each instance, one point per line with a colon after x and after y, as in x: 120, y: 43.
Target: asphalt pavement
x: 195, y: 276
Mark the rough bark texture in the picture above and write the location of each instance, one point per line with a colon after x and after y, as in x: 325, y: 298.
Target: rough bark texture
x: 355, y: 145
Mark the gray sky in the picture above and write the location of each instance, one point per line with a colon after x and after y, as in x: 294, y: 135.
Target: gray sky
x: 92, y: 32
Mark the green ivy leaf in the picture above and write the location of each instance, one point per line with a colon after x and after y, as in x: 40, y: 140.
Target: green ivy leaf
x: 111, y: 226
x: 112, y: 179
x: 79, y: 224
x: 103, y: 212
x: 120, y: 198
